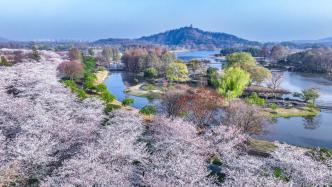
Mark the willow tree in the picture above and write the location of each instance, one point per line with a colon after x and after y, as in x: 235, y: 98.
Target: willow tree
x: 233, y: 82
x: 177, y: 71
x: 248, y: 63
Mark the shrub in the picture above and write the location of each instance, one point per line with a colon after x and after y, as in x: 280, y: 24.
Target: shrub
x: 254, y: 99
x: 81, y: 94
x: 89, y: 64
x: 297, y: 94
x: 4, y: 62
x: 101, y: 88
x: 150, y: 87
x: 151, y: 73
x: 89, y: 81
x: 72, y: 70
x: 107, y: 97
x: 311, y: 105
x: 111, y: 107
x: 71, y: 84
x: 127, y: 101
x: 148, y: 110
x: 212, y: 77
x: 279, y: 174
x: 273, y: 106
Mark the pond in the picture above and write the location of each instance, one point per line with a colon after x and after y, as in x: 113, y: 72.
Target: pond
x: 117, y: 82
x: 308, y: 132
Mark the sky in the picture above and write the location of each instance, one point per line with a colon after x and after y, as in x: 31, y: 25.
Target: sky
x: 259, y: 20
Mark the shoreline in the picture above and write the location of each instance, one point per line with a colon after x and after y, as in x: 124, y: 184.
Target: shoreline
x: 101, y: 76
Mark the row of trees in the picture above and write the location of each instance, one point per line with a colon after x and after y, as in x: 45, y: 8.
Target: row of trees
x: 139, y: 59
x: 155, y: 62
x: 111, y: 55
x: 255, y: 52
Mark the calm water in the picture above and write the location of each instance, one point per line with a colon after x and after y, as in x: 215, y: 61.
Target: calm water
x: 308, y: 132
x: 117, y: 83
x: 314, y: 131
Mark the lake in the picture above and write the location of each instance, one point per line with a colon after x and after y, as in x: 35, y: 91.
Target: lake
x: 307, y: 132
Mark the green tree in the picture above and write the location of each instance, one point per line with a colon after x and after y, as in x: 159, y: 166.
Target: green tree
x: 310, y: 94
x: 89, y: 81
x: 151, y: 73
x: 213, y: 77
x: 255, y: 99
x: 177, y: 71
x: 148, y: 110
x: 89, y: 64
x: 240, y: 59
x: 233, y: 82
x: 248, y: 63
x: 259, y: 74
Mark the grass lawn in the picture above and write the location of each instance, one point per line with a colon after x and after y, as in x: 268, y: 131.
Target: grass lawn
x: 292, y: 112
x: 141, y: 91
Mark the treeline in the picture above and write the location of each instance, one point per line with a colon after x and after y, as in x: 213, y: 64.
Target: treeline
x: 274, y: 52
x: 315, y: 60
x: 255, y: 52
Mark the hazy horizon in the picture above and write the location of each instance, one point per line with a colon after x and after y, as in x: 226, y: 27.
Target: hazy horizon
x: 257, y: 20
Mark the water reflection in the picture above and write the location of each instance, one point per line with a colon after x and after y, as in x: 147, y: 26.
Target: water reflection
x: 311, y: 123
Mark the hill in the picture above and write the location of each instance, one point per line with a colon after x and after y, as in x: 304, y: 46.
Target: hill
x: 317, y: 60
x: 188, y: 37
x: 326, y: 40
x: 3, y: 39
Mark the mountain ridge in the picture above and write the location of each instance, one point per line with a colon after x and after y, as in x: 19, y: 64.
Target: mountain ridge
x: 188, y: 37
